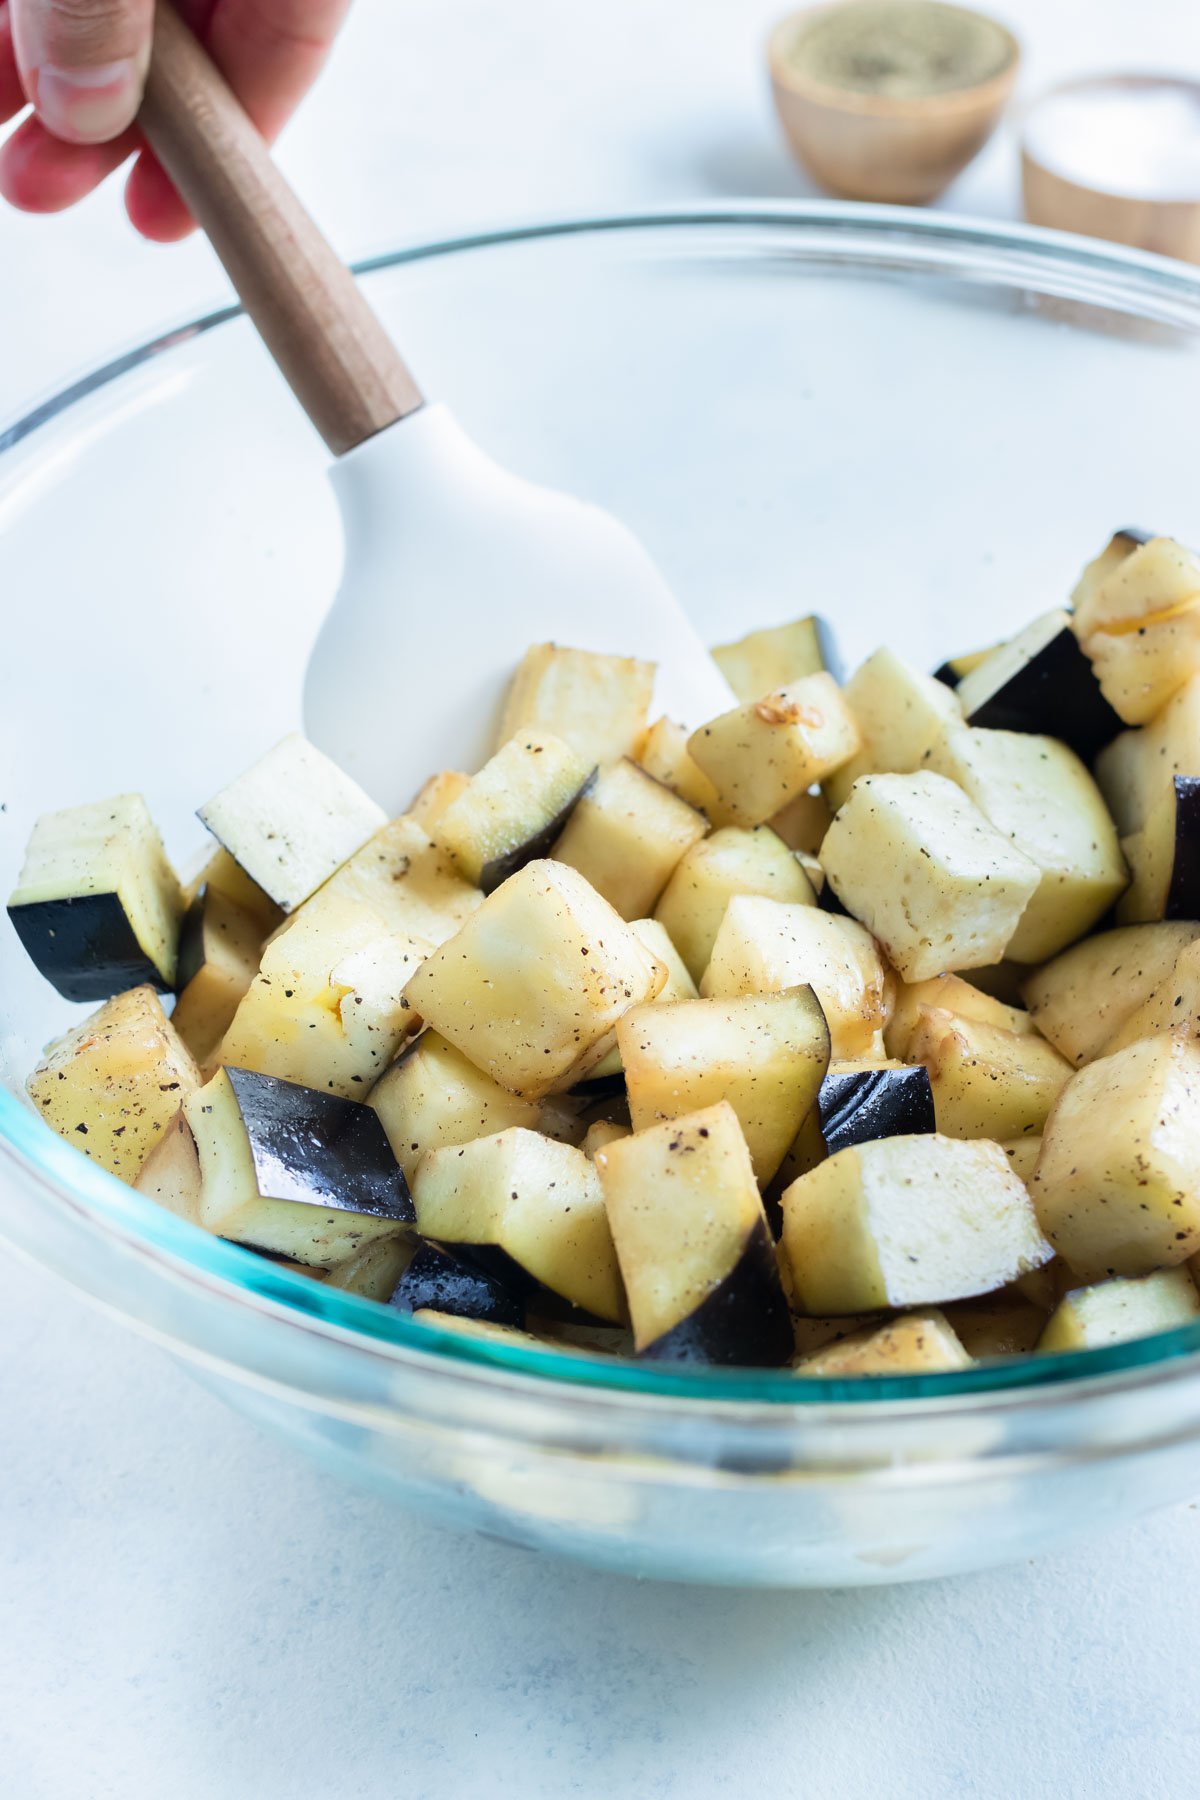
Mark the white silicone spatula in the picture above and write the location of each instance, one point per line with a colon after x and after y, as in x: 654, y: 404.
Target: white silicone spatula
x: 453, y: 565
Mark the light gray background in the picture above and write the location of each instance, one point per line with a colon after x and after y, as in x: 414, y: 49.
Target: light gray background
x: 187, y: 1611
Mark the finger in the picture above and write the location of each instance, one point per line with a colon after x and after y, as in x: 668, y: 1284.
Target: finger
x: 271, y: 52
x: 41, y: 174
x: 12, y: 94
x: 83, y: 63
x: 153, y: 204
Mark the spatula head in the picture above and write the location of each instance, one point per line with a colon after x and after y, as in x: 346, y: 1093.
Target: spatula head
x: 453, y: 568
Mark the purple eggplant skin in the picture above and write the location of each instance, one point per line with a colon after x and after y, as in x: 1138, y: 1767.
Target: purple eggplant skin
x: 1183, y: 891
x: 743, y: 1322
x: 540, y: 844
x: 856, y: 1105
x: 85, y: 946
x: 320, y: 1149
x: 437, y: 1280
x: 1055, y: 694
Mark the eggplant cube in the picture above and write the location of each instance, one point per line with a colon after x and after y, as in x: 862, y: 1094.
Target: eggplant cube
x: 435, y: 1281
x: 373, y: 1271
x: 170, y: 1174
x: 899, y: 712
x: 694, y: 1247
x: 764, y: 1053
x: 515, y: 808
x: 1172, y: 1008
x: 526, y: 1209
x: 627, y: 835
x: 536, y: 980
x: 291, y: 820
x: 1081, y: 1000
x: 678, y: 986
x: 1164, y: 858
x: 403, y: 882
x: 861, y: 1101
x: 951, y: 994
x: 1041, y: 681
x: 327, y: 1009
x: 987, y: 1082
x: 765, y: 947
x: 1133, y: 771
x: 97, y: 906
x: 1120, y: 545
x: 1141, y: 628
x: 919, y: 865
x: 803, y: 822
x: 221, y: 875
x: 1117, y: 1185
x: 433, y: 1096
x: 908, y: 1221
x: 663, y: 752
x: 1038, y: 794
x: 761, y: 755
x: 922, y: 1343
x: 292, y: 1172
x: 113, y: 1084
x: 598, y: 704
x: 1112, y: 1312
x: 777, y: 656
x: 434, y: 796
x: 219, y: 954
x: 707, y: 878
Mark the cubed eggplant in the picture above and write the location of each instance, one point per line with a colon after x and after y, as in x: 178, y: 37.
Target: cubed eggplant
x: 663, y: 752
x: 597, y: 703
x: 292, y: 820
x: 516, y: 808
x: 433, y: 1096
x: 922, y: 1343
x: 526, y: 1209
x: 98, y: 907
x: 956, y: 668
x: 917, y: 863
x: 1082, y: 999
x: 1041, y: 681
x: 764, y: 946
x: 219, y: 952
x: 767, y: 752
x: 626, y: 835
x: 436, y: 1281
x: 533, y: 984
x: 778, y: 655
x: 284, y: 1168
x: 729, y: 862
x: 113, y: 1085
x: 765, y: 1054
x: 1164, y: 858
x: 1037, y: 793
x: 908, y: 1222
x: 899, y: 712
x: 696, y: 1254
x: 1118, y: 549
x: 860, y: 1102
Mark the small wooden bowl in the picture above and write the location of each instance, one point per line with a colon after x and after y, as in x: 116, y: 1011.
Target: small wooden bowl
x: 869, y: 146
x: 1170, y: 226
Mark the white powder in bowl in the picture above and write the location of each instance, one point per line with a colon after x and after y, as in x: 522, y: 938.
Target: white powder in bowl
x: 1136, y: 136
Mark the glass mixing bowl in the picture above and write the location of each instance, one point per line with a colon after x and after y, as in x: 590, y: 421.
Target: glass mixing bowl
x: 920, y: 427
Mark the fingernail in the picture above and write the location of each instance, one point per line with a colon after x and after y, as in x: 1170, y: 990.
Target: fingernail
x: 88, y: 106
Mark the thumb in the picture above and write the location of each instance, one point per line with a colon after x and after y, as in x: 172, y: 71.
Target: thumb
x: 83, y: 63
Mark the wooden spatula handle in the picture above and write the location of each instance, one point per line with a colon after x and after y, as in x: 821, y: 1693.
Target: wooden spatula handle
x: 335, y: 354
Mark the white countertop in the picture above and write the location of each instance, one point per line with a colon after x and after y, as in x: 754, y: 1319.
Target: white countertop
x: 186, y: 1609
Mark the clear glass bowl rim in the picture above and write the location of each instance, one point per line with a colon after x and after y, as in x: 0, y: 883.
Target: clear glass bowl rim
x: 888, y: 236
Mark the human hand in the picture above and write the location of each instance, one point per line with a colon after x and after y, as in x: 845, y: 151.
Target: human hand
x: 80, y: 65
